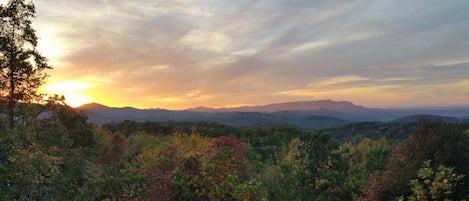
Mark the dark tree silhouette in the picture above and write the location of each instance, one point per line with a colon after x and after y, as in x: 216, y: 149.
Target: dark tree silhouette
x: 21, y: 65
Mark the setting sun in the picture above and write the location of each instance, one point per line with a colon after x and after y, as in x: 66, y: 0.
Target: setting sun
x: 76, y: 100
x: 75, y: 92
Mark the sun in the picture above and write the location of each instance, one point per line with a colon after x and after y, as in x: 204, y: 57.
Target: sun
x: 75, y: 92
x: 75, y: 100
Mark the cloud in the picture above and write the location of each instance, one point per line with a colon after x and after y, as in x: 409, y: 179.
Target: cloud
x: 338, y: 80
x: 205, y: 40
x: 247, y: 51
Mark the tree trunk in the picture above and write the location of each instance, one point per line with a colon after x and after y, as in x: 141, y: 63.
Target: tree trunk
x: 11, y: 100
x: 11, y: 76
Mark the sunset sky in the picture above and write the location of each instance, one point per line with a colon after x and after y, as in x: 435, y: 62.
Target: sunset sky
x: 178, y: 54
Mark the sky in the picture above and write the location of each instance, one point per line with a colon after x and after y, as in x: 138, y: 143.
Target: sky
x: 178, y: 54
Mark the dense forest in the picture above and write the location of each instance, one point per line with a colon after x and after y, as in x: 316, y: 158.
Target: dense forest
x: 49, y: 151
x: 62, y: 157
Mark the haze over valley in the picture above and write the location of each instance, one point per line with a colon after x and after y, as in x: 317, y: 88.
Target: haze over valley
x: 302, y: 114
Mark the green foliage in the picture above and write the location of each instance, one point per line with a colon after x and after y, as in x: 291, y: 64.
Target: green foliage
x: 266, y: 164
x: 33, y: 171
x: 442, y: 184
x: 366, y: 161
x: 442, y: 143
x: 169, y: 127
x: 355, y: 132
x: 116, y: 187
x: 141, y: 141
x: 190, y: 181
x: 321, y: 167
x: 221, y: 163
x: 65, y: 127
x: 216, y: 176
x: 114, y: 150
x: 251, y: 190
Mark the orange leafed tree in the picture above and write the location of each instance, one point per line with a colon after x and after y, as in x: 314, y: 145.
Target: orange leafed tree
x: 114, y: 150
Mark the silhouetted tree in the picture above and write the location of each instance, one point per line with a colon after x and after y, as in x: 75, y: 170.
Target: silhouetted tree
x: 21, y: 65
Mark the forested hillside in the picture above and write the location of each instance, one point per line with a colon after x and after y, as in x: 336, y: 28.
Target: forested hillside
x: 308, y: 115
x: 62, y: 157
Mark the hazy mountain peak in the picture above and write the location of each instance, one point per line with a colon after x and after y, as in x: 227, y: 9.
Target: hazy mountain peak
x: 305, y: 114
x: 92, y: 106
x: 202, y: 109
x: 288, y: 106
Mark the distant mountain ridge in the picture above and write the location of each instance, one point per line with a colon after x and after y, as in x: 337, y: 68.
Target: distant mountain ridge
x: 428, y: 117
x: 89, y: 106
x: 287, y: 106
x: 301, y: 114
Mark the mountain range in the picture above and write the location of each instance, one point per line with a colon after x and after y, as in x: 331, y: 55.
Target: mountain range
x: 288, y: 106
x: 302, y: 114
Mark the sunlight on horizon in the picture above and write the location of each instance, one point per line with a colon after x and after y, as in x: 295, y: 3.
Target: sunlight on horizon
x: 75, y: 92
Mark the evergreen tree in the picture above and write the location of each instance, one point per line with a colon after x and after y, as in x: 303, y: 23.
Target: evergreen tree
x: 21, y: 65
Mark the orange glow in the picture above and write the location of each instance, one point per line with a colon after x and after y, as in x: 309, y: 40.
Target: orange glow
x: 75, y: 92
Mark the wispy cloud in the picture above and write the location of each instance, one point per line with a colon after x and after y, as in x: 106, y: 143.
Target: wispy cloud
x: 247, y: 51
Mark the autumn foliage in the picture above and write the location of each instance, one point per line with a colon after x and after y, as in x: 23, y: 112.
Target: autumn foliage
x: 114, y: 150
x: 267, y: 164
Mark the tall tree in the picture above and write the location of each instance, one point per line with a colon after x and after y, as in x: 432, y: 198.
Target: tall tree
x: 321, y: 168
x: 22, y: 66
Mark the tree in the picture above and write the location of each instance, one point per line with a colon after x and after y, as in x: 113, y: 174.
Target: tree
x: 282, y: 179
x: 191, y: 181
x: 114, y: 150
x: 441, y: 184
x: 321, y: 168
x: 366, y: 162
x: 21, y: 65
x: 33, y: 171
x: 443, y: 143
